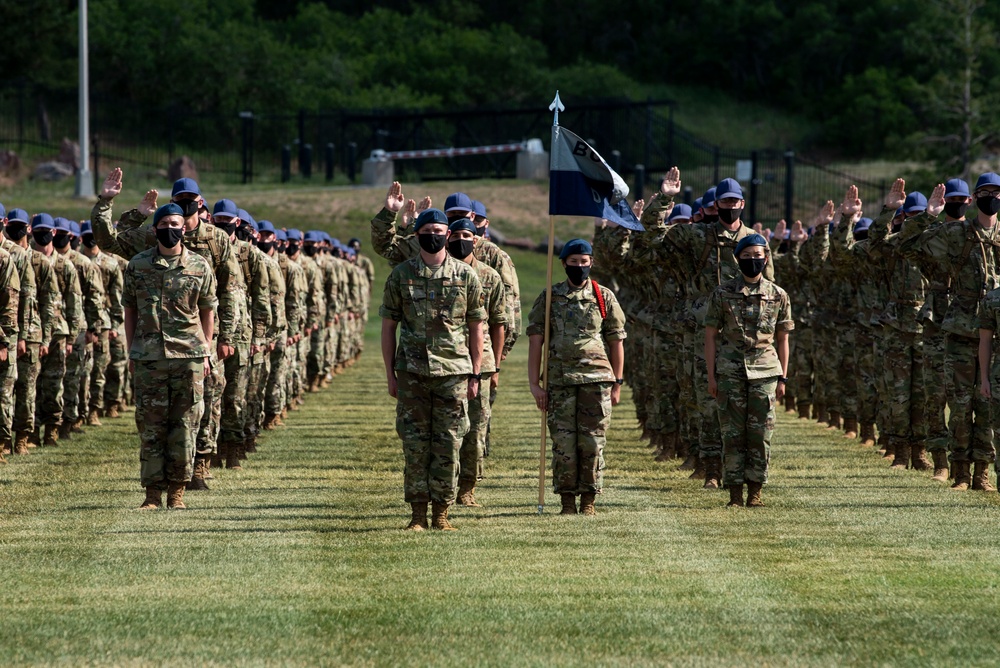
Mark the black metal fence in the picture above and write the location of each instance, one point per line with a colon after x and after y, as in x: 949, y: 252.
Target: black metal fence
x: 640, y: 139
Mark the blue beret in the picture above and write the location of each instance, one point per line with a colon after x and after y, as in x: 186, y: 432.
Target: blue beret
x: 749, y: 240
x: 576, y: 247
x: 915, y: 201
x: 18, y: 215
x: 294, y: 234
x: 185, y: 186
x: 430, y: 216
x: 956, y: 188
x: 680, y: 211
x: 462, y: 224
x: 170, y: 209
x: 42, y: 221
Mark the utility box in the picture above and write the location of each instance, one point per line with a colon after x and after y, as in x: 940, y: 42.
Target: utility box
x: 377, y: 172
x: 533, y: 162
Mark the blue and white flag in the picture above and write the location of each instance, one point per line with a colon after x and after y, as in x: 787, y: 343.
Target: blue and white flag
x: 581, y: 183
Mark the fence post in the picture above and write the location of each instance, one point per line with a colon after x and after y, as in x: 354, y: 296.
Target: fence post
x: 789, y: 187
x: 352, y: 158
x: 329, y: 161
x: 616, y: 160
x: 307, y: 161
x: 286, y: 163
x: 247, y: 117
x: 640, y: 181
x: 689, y: 196
x: 752, y: 218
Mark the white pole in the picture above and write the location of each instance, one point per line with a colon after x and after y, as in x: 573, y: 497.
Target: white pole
x: 84, y: 179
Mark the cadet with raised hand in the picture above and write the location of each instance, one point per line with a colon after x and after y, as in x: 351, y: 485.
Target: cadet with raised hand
x: 436, y: 303
x: 747, y: 372
x: 169, y: 302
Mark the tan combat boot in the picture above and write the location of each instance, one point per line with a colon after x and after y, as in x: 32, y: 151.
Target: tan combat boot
x: 735, y: 495
x: 77, y: 427
x: 699, y: 469
x: 21, y: 443
x: 902, y: 456
x: 789, y: 403
x: 713, y: 473
x: 668, y: 447
x: 175, y: 495
x: 963, y: 478
x: 7, y: 447
x: 850, y: 428
x: 918, y: 457
x: 94, y: 418
x: 278, y: 422
x: 940, y: 466
x: 439, y: 518
x: 834, y: 421
x: 418, y: 516
x: 154, y: 499
x: 568, y: 503
x: 691, y: 461
x: 269, y: 421
x: 888, y: 450
x: 232, y: 456
x: 868, y: 434
x: 65, y: 431
x: 804, y: 411
x: 753, y: 495
x: 981, y: 478
x: 113, y: 411
x: 466, y: 493
x: 51, y: 435
x: 587, y: 503
x: 198, y: 479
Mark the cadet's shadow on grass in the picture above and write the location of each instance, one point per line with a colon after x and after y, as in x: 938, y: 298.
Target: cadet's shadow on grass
x: 197, y: 530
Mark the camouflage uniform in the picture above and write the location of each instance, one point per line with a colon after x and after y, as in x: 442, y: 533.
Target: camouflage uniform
x: 48, y: 312
x: 794, y: 280
x: 433, y: 307
x: 75, y: 384
x: 257, y: 395
x: 747, y: 316
x: 988, y: 319
x: 50, y: 400
x: 111, y: 277
x: 116, y: 378
x: 10, y: 288
x: 29, y: 333
x: 294, y: 315
x: 316, y: 340
x: 579, y: 380
x: 169, y: 349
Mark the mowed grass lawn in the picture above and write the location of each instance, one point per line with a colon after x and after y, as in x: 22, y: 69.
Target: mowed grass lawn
x: 300, y: 559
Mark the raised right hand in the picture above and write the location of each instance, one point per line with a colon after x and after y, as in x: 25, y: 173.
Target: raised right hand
x: 112, y: 185
x: 851, y: 205
x: 897, y: 195
x: 935, y: 203
x: 394, y: 198
x: 671, y: 183
x: 147, y: 206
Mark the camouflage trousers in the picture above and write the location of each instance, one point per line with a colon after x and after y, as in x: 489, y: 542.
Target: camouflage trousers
x: 28, y: 367
x: 234, y: 396
x: 969, y: 423
x: 847, y: 384
x: 826, y: 362
x: 578, y: 420
x: 664, y: 389
x: 98, y: 373
x: 73, y: 381
x: 710, y: 438
x: 253, y: 410
x: 689, y: 412
x: 8, y: 377
x: 432, y: 419
x: 801, y: 363
x: 746, y: 416
x: 168, y: 407
x: 317, y: 353
x: 904, y: 372
x: 116, y: 375
x: 473, y: 449
x: 207, y: 442
x: 333, y: 340
x: 49, y: 397
x: 866, y: 369
x: 638, y: 347
x: 935, y: 387
x: 277, y: 384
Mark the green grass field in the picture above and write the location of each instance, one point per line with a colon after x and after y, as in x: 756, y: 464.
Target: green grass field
x: 300, y: 559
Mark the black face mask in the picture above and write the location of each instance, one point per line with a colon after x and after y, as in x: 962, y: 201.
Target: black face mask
x: 431, y: 243
x: 188, y: 206
x: 861, y: 236
x: 60, y: 240
x: 577, y: 275
x: 956, y: 210
x: 460, y: 248
x: 244, y: 233
x: 730, y: 216
x: 292, y: 249
x: 481, y: 231
x: 42, y: 237
x: 169, y: 236
x: 228, y: 228
x: 265, y: 246
x: 988, y: 205
x: 709, y: 217
x: 752, y: 266
x: 74, y: 243
x: 15, y: 231
x: 89, y: 241
x: 310, y: 251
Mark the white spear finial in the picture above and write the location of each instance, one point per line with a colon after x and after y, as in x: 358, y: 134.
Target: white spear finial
x: 556, y: 107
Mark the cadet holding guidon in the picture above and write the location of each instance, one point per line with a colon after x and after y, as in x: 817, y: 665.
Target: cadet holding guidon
x: 585, y: 360
x: 169, y: 301
x: 746, y: 372
x: 434, y: 371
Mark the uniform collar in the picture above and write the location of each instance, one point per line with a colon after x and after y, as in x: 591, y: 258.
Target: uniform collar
x: 161, y: 261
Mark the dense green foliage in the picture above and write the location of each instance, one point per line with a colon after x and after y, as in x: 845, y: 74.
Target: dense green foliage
x: 873, y: 75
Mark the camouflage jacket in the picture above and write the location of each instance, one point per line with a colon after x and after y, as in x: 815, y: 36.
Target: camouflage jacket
x: 132, y: 237
x: 965, y: 255
x: 295, y: 294
x: 907, y: 285
x: 29, y: 322
x: 433, y: 307
x: 112, y: 277
x: 258, y: 303
x: 50, y: 302
x: 10, y: 288
x: 72, y: 298
x: 577, y: 333
x: 747, y: 317
x: 315, y: 299
x: 496, y: 309
x: 92, y: 288
x: 853, y: 262
x: 168, y: 295
x: 277, y: 288
x: 368, y: 267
